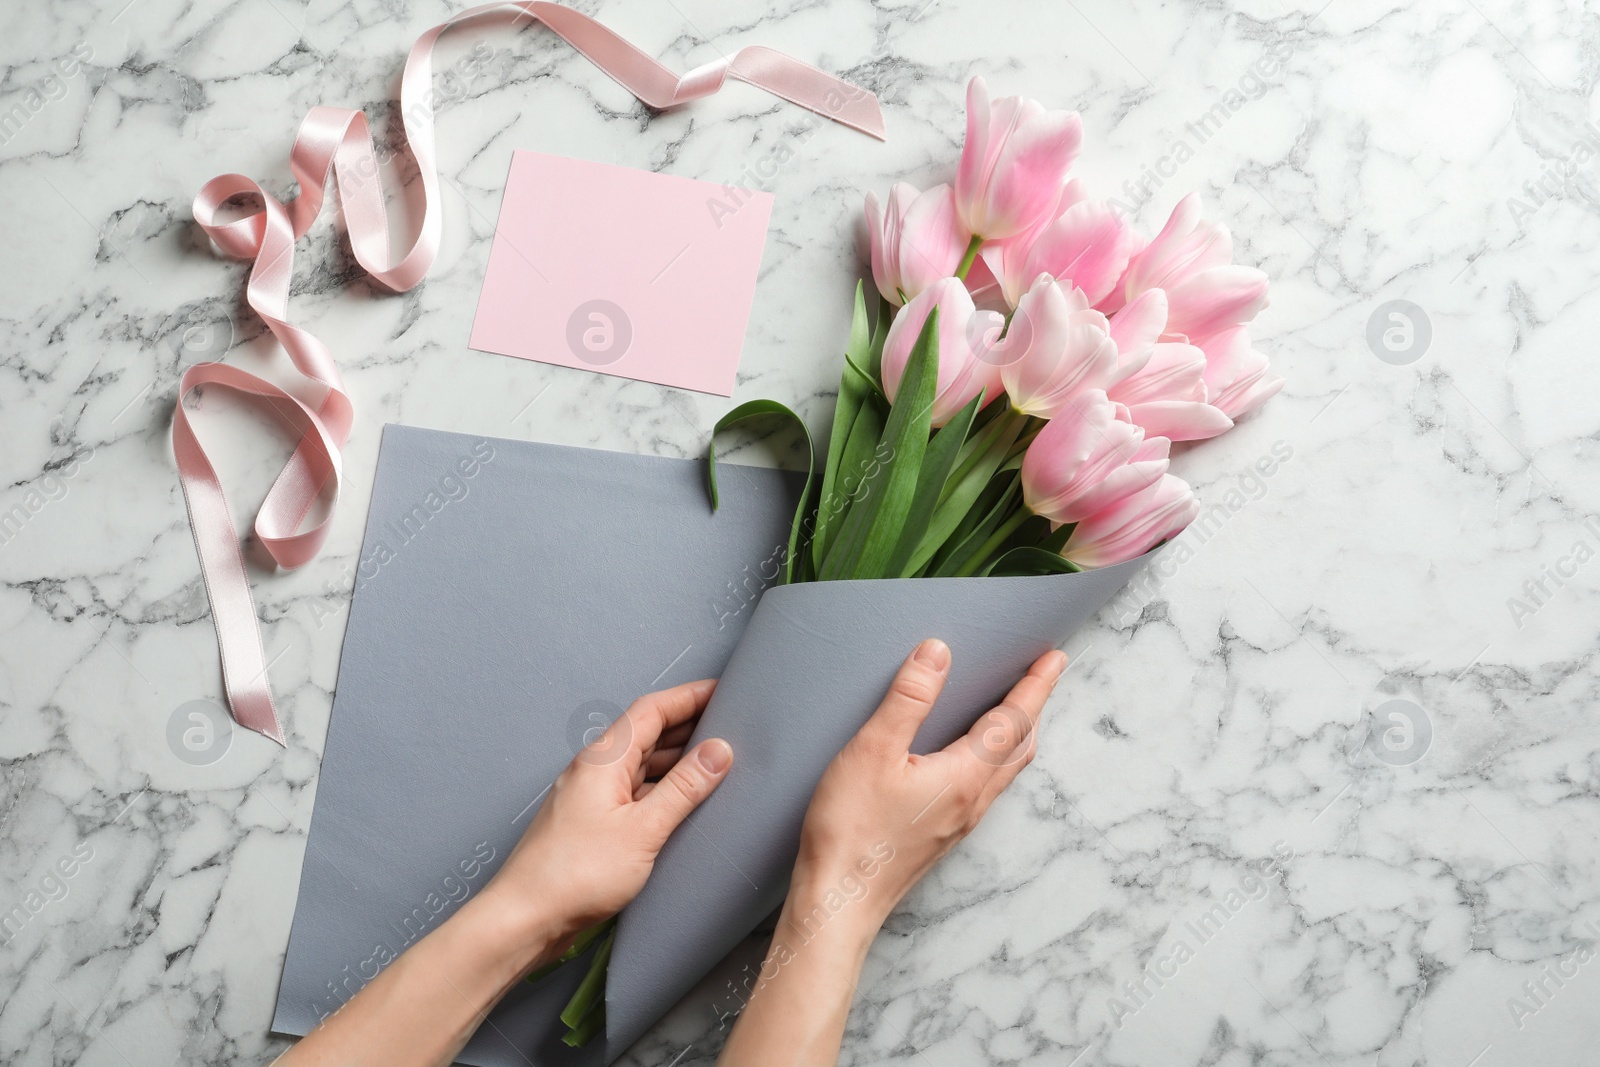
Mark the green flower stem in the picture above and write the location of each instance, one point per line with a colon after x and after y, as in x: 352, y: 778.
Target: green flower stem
x: 973, y: 451
x: 1025, y: 438
x: 592, y: 990
x: 998, y: 538
x: 579, y: 945
x: 970, y: 258
x: 581, y: 1035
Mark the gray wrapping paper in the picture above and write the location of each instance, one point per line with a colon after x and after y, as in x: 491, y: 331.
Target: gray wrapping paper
x: 509, y: 596
x: 499, y: 616
x: 809, y: 670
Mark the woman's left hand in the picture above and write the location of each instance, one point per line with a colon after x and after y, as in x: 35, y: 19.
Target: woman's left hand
x: 591, y: 846
x: 585, y: 854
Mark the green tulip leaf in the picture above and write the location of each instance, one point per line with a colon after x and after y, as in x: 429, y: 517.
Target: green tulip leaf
x: 1031, y: 560
x: 754, y: 409
x: 870, y: 531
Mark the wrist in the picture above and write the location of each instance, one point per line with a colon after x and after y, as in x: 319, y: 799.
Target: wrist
x: 519, y: 932
x: 835, y: 902
x: 866, y: 878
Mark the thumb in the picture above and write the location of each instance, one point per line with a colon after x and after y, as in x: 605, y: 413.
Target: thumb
x: 689, y: 782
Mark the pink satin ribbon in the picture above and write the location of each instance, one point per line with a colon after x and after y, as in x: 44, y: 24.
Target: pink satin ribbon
x: 337, y: 141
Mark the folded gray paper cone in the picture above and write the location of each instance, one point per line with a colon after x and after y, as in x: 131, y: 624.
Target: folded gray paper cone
x: 811, y: 667
x: 508, y: 593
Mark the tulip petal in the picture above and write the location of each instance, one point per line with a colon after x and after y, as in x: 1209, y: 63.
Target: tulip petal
x: 1186, y: 245
x: 1055, y: 349
x: 1026, y: 182
x: 1087, y: 247
x: 1173, y: 372
x: 1214, y: 300
x: 1013, y: 163
x: 1133, y: 525
x: 1180, y: 420
x: 1135, y: 330
x: 962, y: 375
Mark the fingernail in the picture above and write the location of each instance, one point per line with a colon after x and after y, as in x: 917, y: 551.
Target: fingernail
x: 716, y: 755
x: 1057, y: 664
x: 933, y: 653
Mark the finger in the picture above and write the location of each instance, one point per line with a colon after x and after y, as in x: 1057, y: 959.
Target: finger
x: 641, y: 727
x: 1002, y: 777
x: 677, y: 736
x: 689, y: 782
x: 1004, y: 739
x: 911, y: 696
x: 661, y: 761
x: 1001, y: 734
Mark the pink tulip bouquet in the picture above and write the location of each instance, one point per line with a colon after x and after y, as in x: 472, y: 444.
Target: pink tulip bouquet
x: 1033, y: 360
x: 1010, y: 412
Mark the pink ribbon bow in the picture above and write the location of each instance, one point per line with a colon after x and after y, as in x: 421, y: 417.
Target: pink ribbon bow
x: 337, y: 141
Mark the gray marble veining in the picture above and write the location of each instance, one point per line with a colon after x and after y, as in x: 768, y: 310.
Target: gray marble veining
x: 1323, y: 791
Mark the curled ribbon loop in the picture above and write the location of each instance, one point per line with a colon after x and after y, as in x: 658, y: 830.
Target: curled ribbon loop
x: 337, y: 143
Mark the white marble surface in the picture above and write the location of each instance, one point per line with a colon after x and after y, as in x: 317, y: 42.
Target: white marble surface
x: 1205, y: 724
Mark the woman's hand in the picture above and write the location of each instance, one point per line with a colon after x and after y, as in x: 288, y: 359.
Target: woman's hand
x: 880, y: 819
x: 586, y: 854
x: 591, y: 846
x: 880, y: 808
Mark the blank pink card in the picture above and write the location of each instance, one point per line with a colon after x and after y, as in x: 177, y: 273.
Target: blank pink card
x: 626, y: 272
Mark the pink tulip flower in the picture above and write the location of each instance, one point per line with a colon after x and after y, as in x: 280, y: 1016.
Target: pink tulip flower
x: 1087, y: 246
x: 1118, y: 296
x: 1088, y: 460
x: 1055, y: 348
x: 1193, y: 261
x: 1136, y: 329
x: 962, y: 374
x: 1013, y: 164
x: 1237, y: 377
x: 1215, y: 300
x: 1167, y: 396
x: 1133, y: 525
x: 917, y: 241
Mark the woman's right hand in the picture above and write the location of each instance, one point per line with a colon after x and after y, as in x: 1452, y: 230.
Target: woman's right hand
x: 882, y: 817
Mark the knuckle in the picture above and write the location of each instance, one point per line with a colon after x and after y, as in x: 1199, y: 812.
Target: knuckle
x: 688, y: 780
x: 965, y: 793
x: 685, y: 787
x: 916, y: 684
